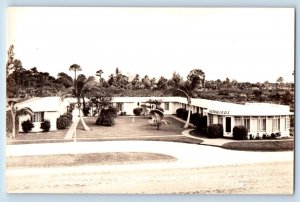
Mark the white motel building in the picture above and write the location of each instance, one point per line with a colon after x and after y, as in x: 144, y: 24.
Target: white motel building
x: 260, y: 118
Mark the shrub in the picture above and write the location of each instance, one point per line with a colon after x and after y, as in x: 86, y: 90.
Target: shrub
x: 201, y: 124
x: 64, y: 121
x: 240, y: 133
x: 107, y: 117
x: 86, y: 111
x: 215, y: 131
x: 137, y: 111
x: 123, y: 114
x: 185, y: 114
x: 45, y: 125
x: 27, y: 126
x: 179, y: 112
x: 195, y: 117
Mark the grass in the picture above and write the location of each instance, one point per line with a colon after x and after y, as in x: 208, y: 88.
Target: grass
x: 129, y: 127
x: 261, y: 145
x: 283, y: 144
x: 51, y: 136
x: 81, y: 159
x: 181, y: 139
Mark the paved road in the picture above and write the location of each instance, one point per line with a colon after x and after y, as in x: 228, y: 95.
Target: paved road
x: 199, y: 169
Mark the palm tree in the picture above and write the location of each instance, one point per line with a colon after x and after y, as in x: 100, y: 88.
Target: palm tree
x: 15, y: 114
x: 76, y: 94
x: 186, y: 125
x: 75, y: 68
x: 99, y: 73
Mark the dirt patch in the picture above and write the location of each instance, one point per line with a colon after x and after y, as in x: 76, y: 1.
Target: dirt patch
x: 92, y: 158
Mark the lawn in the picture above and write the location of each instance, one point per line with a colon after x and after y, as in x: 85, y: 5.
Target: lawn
x: 51, y: 136
x: 81, y: 159
x: 129, y: 127
x: 283, y: 144
x: 261, y: 145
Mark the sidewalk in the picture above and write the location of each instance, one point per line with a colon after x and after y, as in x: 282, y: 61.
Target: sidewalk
x: 72, y: 129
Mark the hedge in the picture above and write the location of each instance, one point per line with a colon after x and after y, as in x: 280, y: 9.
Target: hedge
x: 179, y: 112
x: 138, y: 111
x: 107, y: 117
x: 64, y: 121
x: 215, y: 131
x: 240, y: 133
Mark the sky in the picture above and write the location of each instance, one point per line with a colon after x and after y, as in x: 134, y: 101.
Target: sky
x: 245, y: 44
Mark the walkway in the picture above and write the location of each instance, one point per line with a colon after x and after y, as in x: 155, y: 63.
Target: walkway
x: 208, y: 141
x: 72, y: 129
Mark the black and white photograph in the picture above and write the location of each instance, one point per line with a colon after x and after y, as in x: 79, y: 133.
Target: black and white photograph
x: 150, y: 100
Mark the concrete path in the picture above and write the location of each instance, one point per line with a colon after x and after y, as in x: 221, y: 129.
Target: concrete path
x: 71, y: 131
x: 208, y: 141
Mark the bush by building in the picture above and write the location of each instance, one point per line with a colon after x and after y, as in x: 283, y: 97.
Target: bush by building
x: 215, y: 131
x: 107, y: 117
x: 27, y: 126
x: 64, y: 121
x: 138, y: 111
x: 179, y: 112
x: 86, y: 111
x: 201, y: 124
x: 240, y: 133
x: 195, y: 118
x: 45, y: 126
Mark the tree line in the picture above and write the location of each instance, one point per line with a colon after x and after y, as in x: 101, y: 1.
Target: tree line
x: 22, y: 82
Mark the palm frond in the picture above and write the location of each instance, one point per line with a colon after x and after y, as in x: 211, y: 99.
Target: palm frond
x: 24, y: 111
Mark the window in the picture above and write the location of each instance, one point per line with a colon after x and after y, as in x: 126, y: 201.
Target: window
x: 262, y: 124
x: 220, y: 120
x: 276, y: 123
x: 238, y: 121
x: 167, y: 106
x: 287, y: 122
x: 38, y: 117
x: 247, y: 122
x: 210, y: 119
x: 120, y: 106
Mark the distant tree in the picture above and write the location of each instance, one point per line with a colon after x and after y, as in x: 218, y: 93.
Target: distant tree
x: 75, y: 68
x: 176, y: 81
x: 162, y: 83
x: 146, y: 82
x: 10, y: 59
x: 136, y: 81
x: 196, y: 79
x: 279, y: 82
x: 64, y: 79
x: 266, y: 84
x: 99, y: 73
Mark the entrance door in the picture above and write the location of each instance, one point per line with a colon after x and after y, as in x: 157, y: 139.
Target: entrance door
x: 228, y: 124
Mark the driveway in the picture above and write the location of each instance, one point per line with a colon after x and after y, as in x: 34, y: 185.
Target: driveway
x: 188, y: 155
x: 199, y: 169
